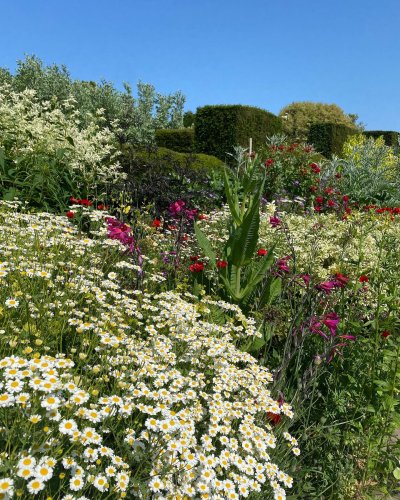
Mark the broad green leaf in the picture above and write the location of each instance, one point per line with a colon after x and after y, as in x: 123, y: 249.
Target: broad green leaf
x: 244, y: 241
x: 205, y: 245
x: 232, y: 202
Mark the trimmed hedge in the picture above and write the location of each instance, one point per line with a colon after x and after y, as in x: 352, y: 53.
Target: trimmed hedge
x: 197, y: 161
x: 179, y: 139
x: 390, y: 137
x: 219, y: 128
x: 329, y: 138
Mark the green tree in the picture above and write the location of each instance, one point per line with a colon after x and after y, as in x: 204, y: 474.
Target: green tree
x: 299, y: 116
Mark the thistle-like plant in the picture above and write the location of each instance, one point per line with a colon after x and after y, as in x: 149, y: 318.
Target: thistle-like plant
x: 242, y: 274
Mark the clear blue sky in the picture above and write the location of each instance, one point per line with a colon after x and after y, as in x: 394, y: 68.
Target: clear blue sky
x: 266, y: 53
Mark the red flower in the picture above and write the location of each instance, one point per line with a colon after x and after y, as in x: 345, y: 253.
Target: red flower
x: 156, y: 223
x: 308, y: 149
x: 70, y: 214
x: 345, y: 198
x: 281, y: 148
x: 221, y: 264
x: 319, y: 200
x: 171, y: 227
x: 73, y: 201
x: 100, y: 206
x: 275, y: 419
x: 269, y: 162
x: 193, y: 258
x: 341, y: 279
x: 315, y: 168
x: 313, y: 188
x: 338, y: 175
x: 197, y: 267
x: 363, y: 279
x: 385, y: 334
x: 202, y: 216
x: 262, y: 252
x: 331, y: 203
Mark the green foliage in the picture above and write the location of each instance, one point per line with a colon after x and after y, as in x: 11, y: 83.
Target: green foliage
x: 137, y: 117
x: 369, y: 170
x: 298, y: 117
x: 391, y: 138
x: 188, y: 119
x: 241, y: 275
x: 219, y: 128
x: 160, y: 176
x: 181, y: 139
x: 329, y: 138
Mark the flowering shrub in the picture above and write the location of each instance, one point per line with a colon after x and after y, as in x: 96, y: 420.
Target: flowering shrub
x: 293, y: 171
x: 45, y: 154
x: 115, y: 391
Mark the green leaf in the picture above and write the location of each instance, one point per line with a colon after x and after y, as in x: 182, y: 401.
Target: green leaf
x: 70, y: 140
x: 271, y: 290
x: 205, y: 245
x: 243, y: 241
x: 255, y: 345
x: 396, y: 473
x: 233, y: 203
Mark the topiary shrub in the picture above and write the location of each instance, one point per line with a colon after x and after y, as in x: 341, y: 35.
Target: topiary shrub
x: 329, y: 138
x: 180, y: 139
x: 390, y: 137
x: 219, y: 128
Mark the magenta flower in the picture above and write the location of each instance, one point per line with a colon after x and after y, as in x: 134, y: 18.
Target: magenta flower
x: 348, y: 337
x: 326, y: 286
x: 176, y: 208
x: 331, y: 321
x: 275, y: 221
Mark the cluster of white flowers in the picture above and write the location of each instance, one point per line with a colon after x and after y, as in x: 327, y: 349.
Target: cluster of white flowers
x: 121, y: 392
x: 33, y: 128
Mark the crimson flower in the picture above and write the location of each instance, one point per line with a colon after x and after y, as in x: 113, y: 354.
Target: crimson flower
x: 262, y: 252
x: 363, y: 278
x: 269, y: 162
x: 331, y: 203
x: 275, y: 221
x: 197, y: 267
x: 221, y: 264
x: 73, y: 201
x: 385, y: 334
x: 341, y: 280
x: 274, y: 417
x: 156, y: 223
x: 319, y: 200
x: 202, y: 216
x: 193, y: 258
x: 70, y: 214
x: 345, y: 198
